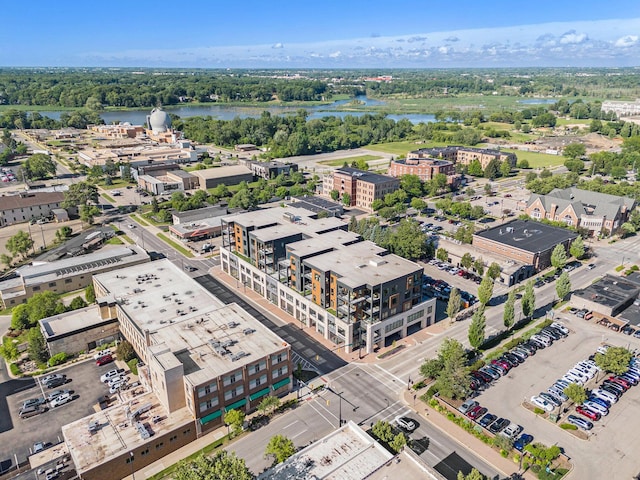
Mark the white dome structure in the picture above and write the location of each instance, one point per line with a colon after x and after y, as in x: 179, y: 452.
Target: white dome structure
x: 159, y: 121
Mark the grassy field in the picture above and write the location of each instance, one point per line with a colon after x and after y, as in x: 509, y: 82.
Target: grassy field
x: 340, y: 162
x: 175, y: 245
x: 401, y: 148
x: 572, y: 121
x: 538, y: 160
x: 108, y: 198
x: 140, y: 220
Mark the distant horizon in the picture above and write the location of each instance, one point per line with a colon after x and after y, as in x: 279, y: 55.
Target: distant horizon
x: 336, y: 35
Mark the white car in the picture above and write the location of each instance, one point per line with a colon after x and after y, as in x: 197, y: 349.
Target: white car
x: 611, y: 398
x: 60, y: 400
x: 541, y: 403
x: 110, y: 374
x: 603, y: 349
x: 570, y: 378
x: 115, y: 380
x: 102, y: 353
x: 596, y: 407
x: 117, y: 386
x: 131, y: 225
x: 406, y: 423
x: 560, y: 327
x: 512, y: 431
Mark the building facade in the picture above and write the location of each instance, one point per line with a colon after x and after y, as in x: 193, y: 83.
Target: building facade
x: 425, y: 168
x: 361, y: 187
x: 621, y: 108
x: 464, y: 155
x: 268, y: 170
x: 27, y: 206
x: 353, y: 292
x: 229, y: 175
x: 598, y: 213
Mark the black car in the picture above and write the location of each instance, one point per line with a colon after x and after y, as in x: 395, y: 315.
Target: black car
x: 521, y: 354
x: 513, y: 358
x: 508, y: 361
x: 499, y: 425
x: 527, y: 347
x: 537, y: 344
x: 487, y: 420
x: 613, y: 388
x: 627, y: 330
x: 57, y: 382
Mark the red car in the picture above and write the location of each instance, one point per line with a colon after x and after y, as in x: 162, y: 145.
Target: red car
x: 620, y: 381
x: 103, y: 360
x: 590, y: 414
x: 476, y: 412
x: 502, y: 364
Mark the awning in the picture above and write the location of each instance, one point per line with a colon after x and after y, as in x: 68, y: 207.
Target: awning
x: 259, y: 394
x: 280, y: 384
x: 237, y: 404
x: 211, y: 416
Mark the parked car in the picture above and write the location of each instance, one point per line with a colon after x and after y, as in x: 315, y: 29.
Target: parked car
x: 467, y: 406
x: 54, y: 377
x: 60, y: 400
x: 541, y: 403
x: 33, y: 402
x: 522, y: 441
x: 104, y: 359
x: 550, y: 398
x: 596, y: 407
x: 110, y: 374
x: 499, y: 425
x: 582, y: 423
x: 56, y: 393
x: 591, y: 266
x: 102, y: 353
x: 487, y: 420
x: 587, y: 412
x: 512, y: 431
x: 476, y: 413
x: 406, y: 423
x: 608, y: 396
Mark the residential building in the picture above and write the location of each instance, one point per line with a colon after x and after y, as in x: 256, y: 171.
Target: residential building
x: 318, y: 204
x: 362, y: 187
x: 463, y: 155
x: 68, y: 274
x: 524, y: 242
x: 229, y: 175
x: 598, y: 213
x: 350, y: 453
x: 268, y: 170
x: 622, y: 108
x: 425, y: 168
x: 197, y: 352
x: 353, y: 292
x: 26, y: 206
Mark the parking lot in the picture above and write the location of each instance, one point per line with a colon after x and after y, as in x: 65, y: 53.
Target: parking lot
x: 83, y: 379
x: 609, y: 447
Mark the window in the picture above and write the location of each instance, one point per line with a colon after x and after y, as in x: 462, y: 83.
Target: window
x: 232, y: 378
x: 277, y: 358
x: 207, y: 389
x: 130, y: 459
x: 279, y: 372
x: 173, y: 438
x: 234, y: 392
x: 186, y: 432
x: 67, y: 280
x: 52, y: 284
x: 209, y: 404
x: 36, y: 288
x: 261, y: 380
x: 144, y: 452
x: 159, y: 445
x: 257, y: 367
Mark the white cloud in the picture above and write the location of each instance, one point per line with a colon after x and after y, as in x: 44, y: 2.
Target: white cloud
x: 572, y: 37
x: 444, y: 50
x: 627, y: 41
x: 278, y: 45
x: 335, y: 54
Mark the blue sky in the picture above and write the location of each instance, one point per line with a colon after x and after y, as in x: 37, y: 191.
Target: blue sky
x: 322, y: 34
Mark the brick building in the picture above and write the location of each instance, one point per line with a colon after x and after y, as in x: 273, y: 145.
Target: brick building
x: 464, y: 155
x: 361, y: 186
x: 425, y: 168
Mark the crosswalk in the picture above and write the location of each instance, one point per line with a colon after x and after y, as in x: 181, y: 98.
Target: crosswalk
x: 305, y: 364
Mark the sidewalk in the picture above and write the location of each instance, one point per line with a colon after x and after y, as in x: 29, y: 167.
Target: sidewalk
x: 439, y: 421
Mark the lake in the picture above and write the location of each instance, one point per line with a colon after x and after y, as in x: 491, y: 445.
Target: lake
x: 228, y: 112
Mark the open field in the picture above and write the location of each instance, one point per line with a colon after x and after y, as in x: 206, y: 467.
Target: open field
x: 538, y: 160
x: 401, y: 148
x: 340, y: 162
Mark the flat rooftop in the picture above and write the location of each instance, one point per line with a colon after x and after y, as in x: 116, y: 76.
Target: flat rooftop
x: 610, y: 291
x: 115, y: 433
x: 530, y: 236
x: 333, y: 239
x: 200, y: 224
x: 361, y: 264
x: 68, y: 323
x: 205, y: 335
x: 221, y: 172
x: 268, y: 216
x: 345, y: 454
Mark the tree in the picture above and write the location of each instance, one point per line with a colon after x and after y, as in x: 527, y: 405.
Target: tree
x: 492, y: 170
x: 485, y: 290
x: 20, y: 243
x: 488, y: 190
x: 242, y: 199
x: 63, y: 233
x: 452, y: 376
x: 280, y: 448
x: 125, y: 351
x: 9, y: 349
x: 473, y: 474
x: 39, y: 166
x: 382, y: 431
x: 268, y: 404
x: 221, y: 466
x: 409, y: 241
x: 353, y: 223
x: 335, y: 195
x: 563, y: 285
x: 466, y: 261
x: 81, y: 193
x: 6, y: 259
x: 346, y: 199
x: 524, y: 163
x: 398, y: 442
x: 442, y: 254
x: 576, y: 393
x: 478, y: 266
x: 574, y: 150
x: 39, y: 306
x: 154, y: 205
x: 235, y: 419
x: 559, y: 257
x: 577, y: 249
x: 528, y: 302
x: 90, y: 293
x: 88, y: 213
x: 455, y: 303
x: 477, y: 327
x: 76, y: 303
x: 627, y: 229
x: 412, y: 185
x: 505, y: 168
x: 508, y: 316
x: 37, y: 347
x: 494, y: 270
x: 615, y: 360
x: 475, y: 168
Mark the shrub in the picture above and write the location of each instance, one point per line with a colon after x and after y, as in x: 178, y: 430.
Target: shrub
x: 568, y: 426
x: 478, y: 364
x: 504, y: 453
x: 58, y: 359
x: 125, y: 351
x: 516, y: 458
x: 431, y: 391
x: 538, y: 411
x: 513, y: 343
x: 619, y: 268
x: 634, y: 268
x: 15, y: 369
x: 133, y: 365
x: 419, y: 385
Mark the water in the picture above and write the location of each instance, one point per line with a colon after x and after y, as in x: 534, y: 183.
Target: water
x: 537, y: 101
x: 228, y: 112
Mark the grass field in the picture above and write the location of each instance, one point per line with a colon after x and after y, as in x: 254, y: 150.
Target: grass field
x: 538, y: 160
x: 572, y: 121
x: 401, y: 148
x: 340, y: 161
x: 175, y: 245
x: 140, y: 220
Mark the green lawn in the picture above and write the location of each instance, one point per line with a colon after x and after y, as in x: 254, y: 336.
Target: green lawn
x: 538, y: 160
x: 572, y: 121
x: 401, y: 148
x: 108, y: 198
x: 186, y: 252
x: 340, y: 162
x: 139, y: 220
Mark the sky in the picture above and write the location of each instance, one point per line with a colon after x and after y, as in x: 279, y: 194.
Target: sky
x: 321, y: 34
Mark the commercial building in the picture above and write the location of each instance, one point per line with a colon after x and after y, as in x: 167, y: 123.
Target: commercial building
x: 138, y: 156
x: 26, y: 206
x: 317, y: 205
x: 349, y: 453
x: 67, y: 275
x: 197, y: 352
x: 121, y: 130
x: 611, y: 295
x: 361, y: 187
x: 190, y: 216
x: 267, y: 170
x: 171, y: 181
x: 598, y: 213
x: 353, y: 292
x: 621, y: 108
x: 425, y: 168
x: 229, y: 175
x: 525, y: 242
x: 464, y: 155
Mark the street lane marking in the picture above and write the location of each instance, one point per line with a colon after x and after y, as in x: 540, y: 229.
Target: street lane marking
x: 320, y: 413
x: 292, y: 423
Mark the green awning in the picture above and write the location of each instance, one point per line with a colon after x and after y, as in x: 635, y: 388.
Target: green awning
x: 281, y: 383
x: 259, y: 394
x: 237, y: 404
x: 211, y: 416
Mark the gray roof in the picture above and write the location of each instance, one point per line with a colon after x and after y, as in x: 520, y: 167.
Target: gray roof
x: 584, y: 202
x: 200, y: 213
x: 529, y: 236
x: 364, y: 175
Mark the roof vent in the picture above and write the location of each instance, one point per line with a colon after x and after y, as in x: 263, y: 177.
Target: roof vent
x: 248, y: 331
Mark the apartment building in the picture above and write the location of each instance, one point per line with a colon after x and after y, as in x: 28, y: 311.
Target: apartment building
x: 25, y: 206
x: 622, y: 108
x: 425, y: 168
x: 600, y: 214
x: 463, y: 155
x: 362, y: 187
x: 353, y: 292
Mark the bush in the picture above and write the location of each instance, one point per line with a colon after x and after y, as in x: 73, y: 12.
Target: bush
x: 15, y: 369
x: 504, y: 453
x: 133, y: 365
x: 538, y: 411
x: 513, y: 343
x: 431, y: 391
x: 478, y: 364
x: 419, y: 385
x: 568, y: 426
x: 58, y: 359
